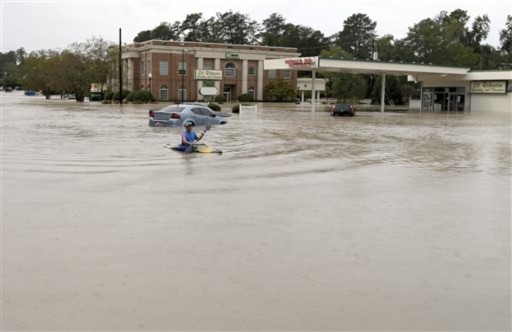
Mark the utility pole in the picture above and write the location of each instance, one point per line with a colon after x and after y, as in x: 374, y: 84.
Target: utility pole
x: 120, y: 71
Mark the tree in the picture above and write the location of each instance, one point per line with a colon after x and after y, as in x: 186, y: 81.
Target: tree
x: 166, y: 31
x: 506, y: 36
x: 439, y: 42
x: 20, y: 55
x: 8, y: 69
x: 505, y: 56
x: 273, y: 29
x: 235, y: 28
x: 280, y: 90
x: 342, y: 86
x: 194, y: 28
x: 395, y: 87
x: 308, y: 41
x: 357, y: 35
x: 142, y: 36
x: 99, y: 58
x: 40, y: 72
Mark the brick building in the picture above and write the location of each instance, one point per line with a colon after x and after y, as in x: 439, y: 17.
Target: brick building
x: 172, y: 68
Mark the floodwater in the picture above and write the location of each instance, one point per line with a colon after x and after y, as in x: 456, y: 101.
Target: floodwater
x: 306, y: 222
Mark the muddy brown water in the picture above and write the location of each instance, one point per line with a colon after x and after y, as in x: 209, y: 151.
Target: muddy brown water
x: 306, y: 222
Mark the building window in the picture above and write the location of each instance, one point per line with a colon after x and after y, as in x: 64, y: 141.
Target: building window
x: 207, y: 64
x: 164, y: 93
x: 208, y: 84
x: 164, y: 67
x: 182, y: 68
x: 272, y: 74
x: 252, y: 71
x: 251, y: 92
x: 182, y: 93
x: 287, y: 74
x: 230, y: 69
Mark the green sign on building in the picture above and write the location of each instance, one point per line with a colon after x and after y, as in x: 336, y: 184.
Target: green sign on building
x: 230, y: 55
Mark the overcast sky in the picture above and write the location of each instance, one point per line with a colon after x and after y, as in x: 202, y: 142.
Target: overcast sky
x: 55, y: 24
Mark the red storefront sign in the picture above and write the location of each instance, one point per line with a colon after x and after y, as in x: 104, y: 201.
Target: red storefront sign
x: 299, y: 62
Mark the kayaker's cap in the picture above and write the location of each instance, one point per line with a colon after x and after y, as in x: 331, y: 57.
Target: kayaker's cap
x: 188, y: 123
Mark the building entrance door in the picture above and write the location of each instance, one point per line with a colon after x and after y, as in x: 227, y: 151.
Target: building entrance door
x: 443, y: 99
x: 227, y: 93
x: 427, y: 102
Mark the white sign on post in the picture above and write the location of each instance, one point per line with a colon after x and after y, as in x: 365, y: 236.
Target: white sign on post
x: 208, y: 91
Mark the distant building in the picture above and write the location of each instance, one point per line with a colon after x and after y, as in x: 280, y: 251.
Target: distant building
x: 174, y: 69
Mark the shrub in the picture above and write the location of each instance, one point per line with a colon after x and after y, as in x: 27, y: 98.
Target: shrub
x: 236, y: 108
x: 220, y: 99
x: 117, y: 94
x: 108, y: 95
x: 246, y: 98
x: 130, y: 96
x: 143, y: 96
x: 214, y: 107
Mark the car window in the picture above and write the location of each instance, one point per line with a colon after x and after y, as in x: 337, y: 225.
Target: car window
x: 172, y: 108
x: 197, y: 110
x: 206, y: 112
x: 343, y: 107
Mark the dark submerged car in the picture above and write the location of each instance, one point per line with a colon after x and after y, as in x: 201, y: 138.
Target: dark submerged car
x: 343, y: 109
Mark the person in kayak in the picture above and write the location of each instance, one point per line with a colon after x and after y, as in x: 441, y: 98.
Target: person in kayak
x: 189, y: 136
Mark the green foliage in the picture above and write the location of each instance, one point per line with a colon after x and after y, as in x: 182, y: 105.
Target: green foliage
x: 280, y: 90
x: 236, y: 108
x: 506, y: 36
x: 163, y: 31
x: 117, y: 95
x: 143, y: 96
x: 9, y: 67
x: 108, y: 95
x: 348, y: 87
x: 220, y: 99
x: 394, y: 89
x: 71, y: 70
x: 246, y: 97
x: 357, y: 35
x: 445, y: 40
x: 234, y: 28
x: 276, y: 32
x: 130, y: 96
x: 215, y: 107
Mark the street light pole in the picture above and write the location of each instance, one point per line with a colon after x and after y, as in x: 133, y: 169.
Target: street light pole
x: 183, y: 52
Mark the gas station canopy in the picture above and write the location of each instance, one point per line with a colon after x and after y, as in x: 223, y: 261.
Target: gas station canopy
x: 340, y: 65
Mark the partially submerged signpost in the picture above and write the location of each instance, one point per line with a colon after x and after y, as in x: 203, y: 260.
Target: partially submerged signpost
x: 208, y: 92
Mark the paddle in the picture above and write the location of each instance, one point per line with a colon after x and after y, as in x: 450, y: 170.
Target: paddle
x: 190, y: 148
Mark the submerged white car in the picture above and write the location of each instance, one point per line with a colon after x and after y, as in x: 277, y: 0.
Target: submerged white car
x: 176, y: 115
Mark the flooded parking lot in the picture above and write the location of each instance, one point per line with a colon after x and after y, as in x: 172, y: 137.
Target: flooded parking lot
x: 306, y: 222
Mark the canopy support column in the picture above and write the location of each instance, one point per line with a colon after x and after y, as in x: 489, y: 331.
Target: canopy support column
x: 313, y: 91
x: 383, y: 93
